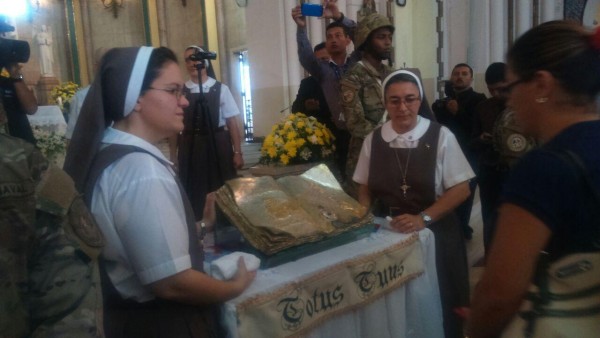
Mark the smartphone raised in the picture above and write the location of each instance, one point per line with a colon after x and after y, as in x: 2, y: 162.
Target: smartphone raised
x: 311, y: 9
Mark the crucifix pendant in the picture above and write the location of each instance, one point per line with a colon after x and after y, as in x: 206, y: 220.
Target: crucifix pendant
x: 404, y: 187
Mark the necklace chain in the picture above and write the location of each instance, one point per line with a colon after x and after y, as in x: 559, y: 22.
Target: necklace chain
x: 403, y: 171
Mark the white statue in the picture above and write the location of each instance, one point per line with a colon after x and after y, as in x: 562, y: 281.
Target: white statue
x: 44, y: 41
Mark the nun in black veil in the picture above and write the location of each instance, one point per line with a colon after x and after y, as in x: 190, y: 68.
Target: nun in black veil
x: 151, y: 266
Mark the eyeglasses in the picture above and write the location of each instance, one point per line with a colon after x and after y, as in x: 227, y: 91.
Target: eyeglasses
x: 507, y: 90
x: 409, y: 101
x: 177, y: 92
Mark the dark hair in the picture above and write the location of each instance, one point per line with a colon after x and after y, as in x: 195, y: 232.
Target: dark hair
x: 159, y: 57
x: 318, y: 47
x: 399, y: 78
x: 464, y: 65
x: 564, y: 49
x: 495, y: 73
x: 338, y: 24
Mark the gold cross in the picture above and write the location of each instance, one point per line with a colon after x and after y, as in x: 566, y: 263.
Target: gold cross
x: 404, y: 187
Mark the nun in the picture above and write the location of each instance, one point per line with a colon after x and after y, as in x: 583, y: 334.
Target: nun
x: 421, y: 176
x: 151, y: 266
x: 208, y: 151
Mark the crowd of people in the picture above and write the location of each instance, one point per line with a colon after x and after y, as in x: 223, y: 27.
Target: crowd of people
x: 529, y: 148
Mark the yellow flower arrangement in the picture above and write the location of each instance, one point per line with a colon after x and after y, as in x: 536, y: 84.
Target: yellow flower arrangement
x: 61, y: 95
x: 297, y: 139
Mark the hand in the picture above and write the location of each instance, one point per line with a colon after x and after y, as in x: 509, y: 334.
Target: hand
x: 297, y: 16
x: 452, y: 106
x: 331, y: 10
x: 407, y: 223
x: 238, y: 160
x: 311, y: 104
x: 14, y: 69
x: 243, y: 278
x: 209, y: 215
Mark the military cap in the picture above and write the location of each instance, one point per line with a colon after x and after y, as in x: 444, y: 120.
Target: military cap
x: 369, y: 24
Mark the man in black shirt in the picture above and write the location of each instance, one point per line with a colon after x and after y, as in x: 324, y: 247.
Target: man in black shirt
x: 457, y: 112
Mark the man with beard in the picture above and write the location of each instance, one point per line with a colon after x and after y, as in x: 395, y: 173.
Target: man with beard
x: 329, y: 72
x: 457, y: 112
x: 361, y: 86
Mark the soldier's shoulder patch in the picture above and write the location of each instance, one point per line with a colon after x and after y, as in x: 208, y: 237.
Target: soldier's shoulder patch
x: 516, y: 143
x: 84, y: 225
x: 348, y: 94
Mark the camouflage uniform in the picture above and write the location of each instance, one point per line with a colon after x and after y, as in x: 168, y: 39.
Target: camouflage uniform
x: 362, y: 95
x: 509, y: 141
x: 362, y: 100
x: 49, y: 245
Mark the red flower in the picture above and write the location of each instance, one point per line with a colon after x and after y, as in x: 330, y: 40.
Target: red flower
x: 595, y: 39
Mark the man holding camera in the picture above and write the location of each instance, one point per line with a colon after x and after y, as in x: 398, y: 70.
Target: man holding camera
x: 16, y: 100
x: 457, y: 112
x: 329, y: 72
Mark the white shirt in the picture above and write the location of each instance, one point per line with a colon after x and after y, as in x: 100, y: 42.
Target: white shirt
x: 451, y: 168
x: 227, y: 108
x: 138, y: 206
x: 74, y: 109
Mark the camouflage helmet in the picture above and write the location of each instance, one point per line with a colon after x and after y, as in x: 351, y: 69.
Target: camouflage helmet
x: 367, y: 25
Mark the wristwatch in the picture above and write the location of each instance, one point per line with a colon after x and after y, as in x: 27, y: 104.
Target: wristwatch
x: 426, y: 218
x: 18, y: 78
x: 202, y: 231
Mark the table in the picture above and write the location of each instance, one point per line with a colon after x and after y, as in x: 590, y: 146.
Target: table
x: 410, y: 310
x: 50, y: 118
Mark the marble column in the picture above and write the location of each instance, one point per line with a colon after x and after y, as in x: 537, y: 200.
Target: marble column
x: 224, y: 54
x: 294, y: 70
x: 523, y: 17
x: 497, y: 31
x: 87, y: 37
x: 479, y: 33
x: 162, y: 24
x: 316, y: 29
x: 548, y: 10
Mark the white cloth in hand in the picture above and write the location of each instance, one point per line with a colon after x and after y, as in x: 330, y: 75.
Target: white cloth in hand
x: 225, y: 268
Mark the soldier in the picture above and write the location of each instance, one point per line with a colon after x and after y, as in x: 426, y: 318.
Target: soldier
x: 498, y: 142
x: 361, y: 86
x: 509, y: 140
x: 49, y: 245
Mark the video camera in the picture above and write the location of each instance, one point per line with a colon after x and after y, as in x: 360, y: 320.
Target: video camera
x: 202, y: 55
x: 12, y: 51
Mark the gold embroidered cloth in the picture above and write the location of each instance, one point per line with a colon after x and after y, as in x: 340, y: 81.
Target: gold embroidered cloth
x: 294, y: 309
x: 274, y: 215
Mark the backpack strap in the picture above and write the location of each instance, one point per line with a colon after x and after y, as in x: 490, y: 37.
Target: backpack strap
x: 103, y: 160
x: 591, y: 201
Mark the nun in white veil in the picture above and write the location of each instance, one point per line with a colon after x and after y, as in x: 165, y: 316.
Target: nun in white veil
x: 420, y: 176
x: 151, y: 266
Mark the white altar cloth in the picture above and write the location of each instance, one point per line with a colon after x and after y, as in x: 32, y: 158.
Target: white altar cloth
x: 50, y: 118
x: 412, y: 310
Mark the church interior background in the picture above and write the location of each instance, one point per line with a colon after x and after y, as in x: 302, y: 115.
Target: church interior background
x: 256, y: 39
